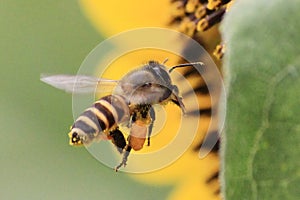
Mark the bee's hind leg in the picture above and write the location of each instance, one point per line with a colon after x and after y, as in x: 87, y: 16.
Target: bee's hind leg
x: 118, y: 139
x: 125, y: 157
x: 152, y: 115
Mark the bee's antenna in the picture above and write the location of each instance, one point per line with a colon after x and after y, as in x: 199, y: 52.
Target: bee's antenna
x: 185, y: 65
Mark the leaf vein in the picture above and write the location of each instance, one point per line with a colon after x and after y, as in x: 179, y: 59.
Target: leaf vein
x: 265, y: 122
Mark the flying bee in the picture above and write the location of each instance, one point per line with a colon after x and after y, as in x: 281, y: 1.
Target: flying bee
x: 129, y: 105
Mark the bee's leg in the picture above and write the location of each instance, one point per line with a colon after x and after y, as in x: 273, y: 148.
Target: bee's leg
x: 176, y: 99
x: 125, y: 156
x: 132, y: 120
x: 118, y: 139
x: 152, y: 115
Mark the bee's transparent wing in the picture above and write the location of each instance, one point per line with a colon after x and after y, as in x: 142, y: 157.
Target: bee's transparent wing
x: 79, y: 84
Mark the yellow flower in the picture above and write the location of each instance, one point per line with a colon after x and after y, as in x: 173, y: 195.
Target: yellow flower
x: 189, y: 174
x: 112, y: 17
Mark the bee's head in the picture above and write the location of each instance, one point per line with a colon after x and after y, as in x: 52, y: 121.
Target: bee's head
x: 77, y: 137
x: 148, y: 84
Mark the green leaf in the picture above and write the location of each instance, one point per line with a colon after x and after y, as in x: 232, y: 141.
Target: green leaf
x: 260, y: 148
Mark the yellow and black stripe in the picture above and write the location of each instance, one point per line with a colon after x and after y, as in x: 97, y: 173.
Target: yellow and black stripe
x: 103, y: 116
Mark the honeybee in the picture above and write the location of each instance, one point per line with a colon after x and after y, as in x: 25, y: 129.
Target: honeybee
x: 130, y: 105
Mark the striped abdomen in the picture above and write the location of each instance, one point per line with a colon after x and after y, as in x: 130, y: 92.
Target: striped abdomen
x: 104, y: 115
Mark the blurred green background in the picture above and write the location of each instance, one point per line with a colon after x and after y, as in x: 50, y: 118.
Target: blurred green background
x: 36, y: 160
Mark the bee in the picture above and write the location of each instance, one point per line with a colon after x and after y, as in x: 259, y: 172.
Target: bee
x: 130, y: 104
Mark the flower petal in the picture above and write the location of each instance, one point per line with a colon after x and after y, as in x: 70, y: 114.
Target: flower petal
x: 114, y: 16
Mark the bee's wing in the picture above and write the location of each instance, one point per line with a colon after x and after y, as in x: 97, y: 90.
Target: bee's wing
x: 79, y: 84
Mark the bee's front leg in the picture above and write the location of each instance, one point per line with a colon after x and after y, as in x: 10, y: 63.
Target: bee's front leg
x: 152, y: 116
